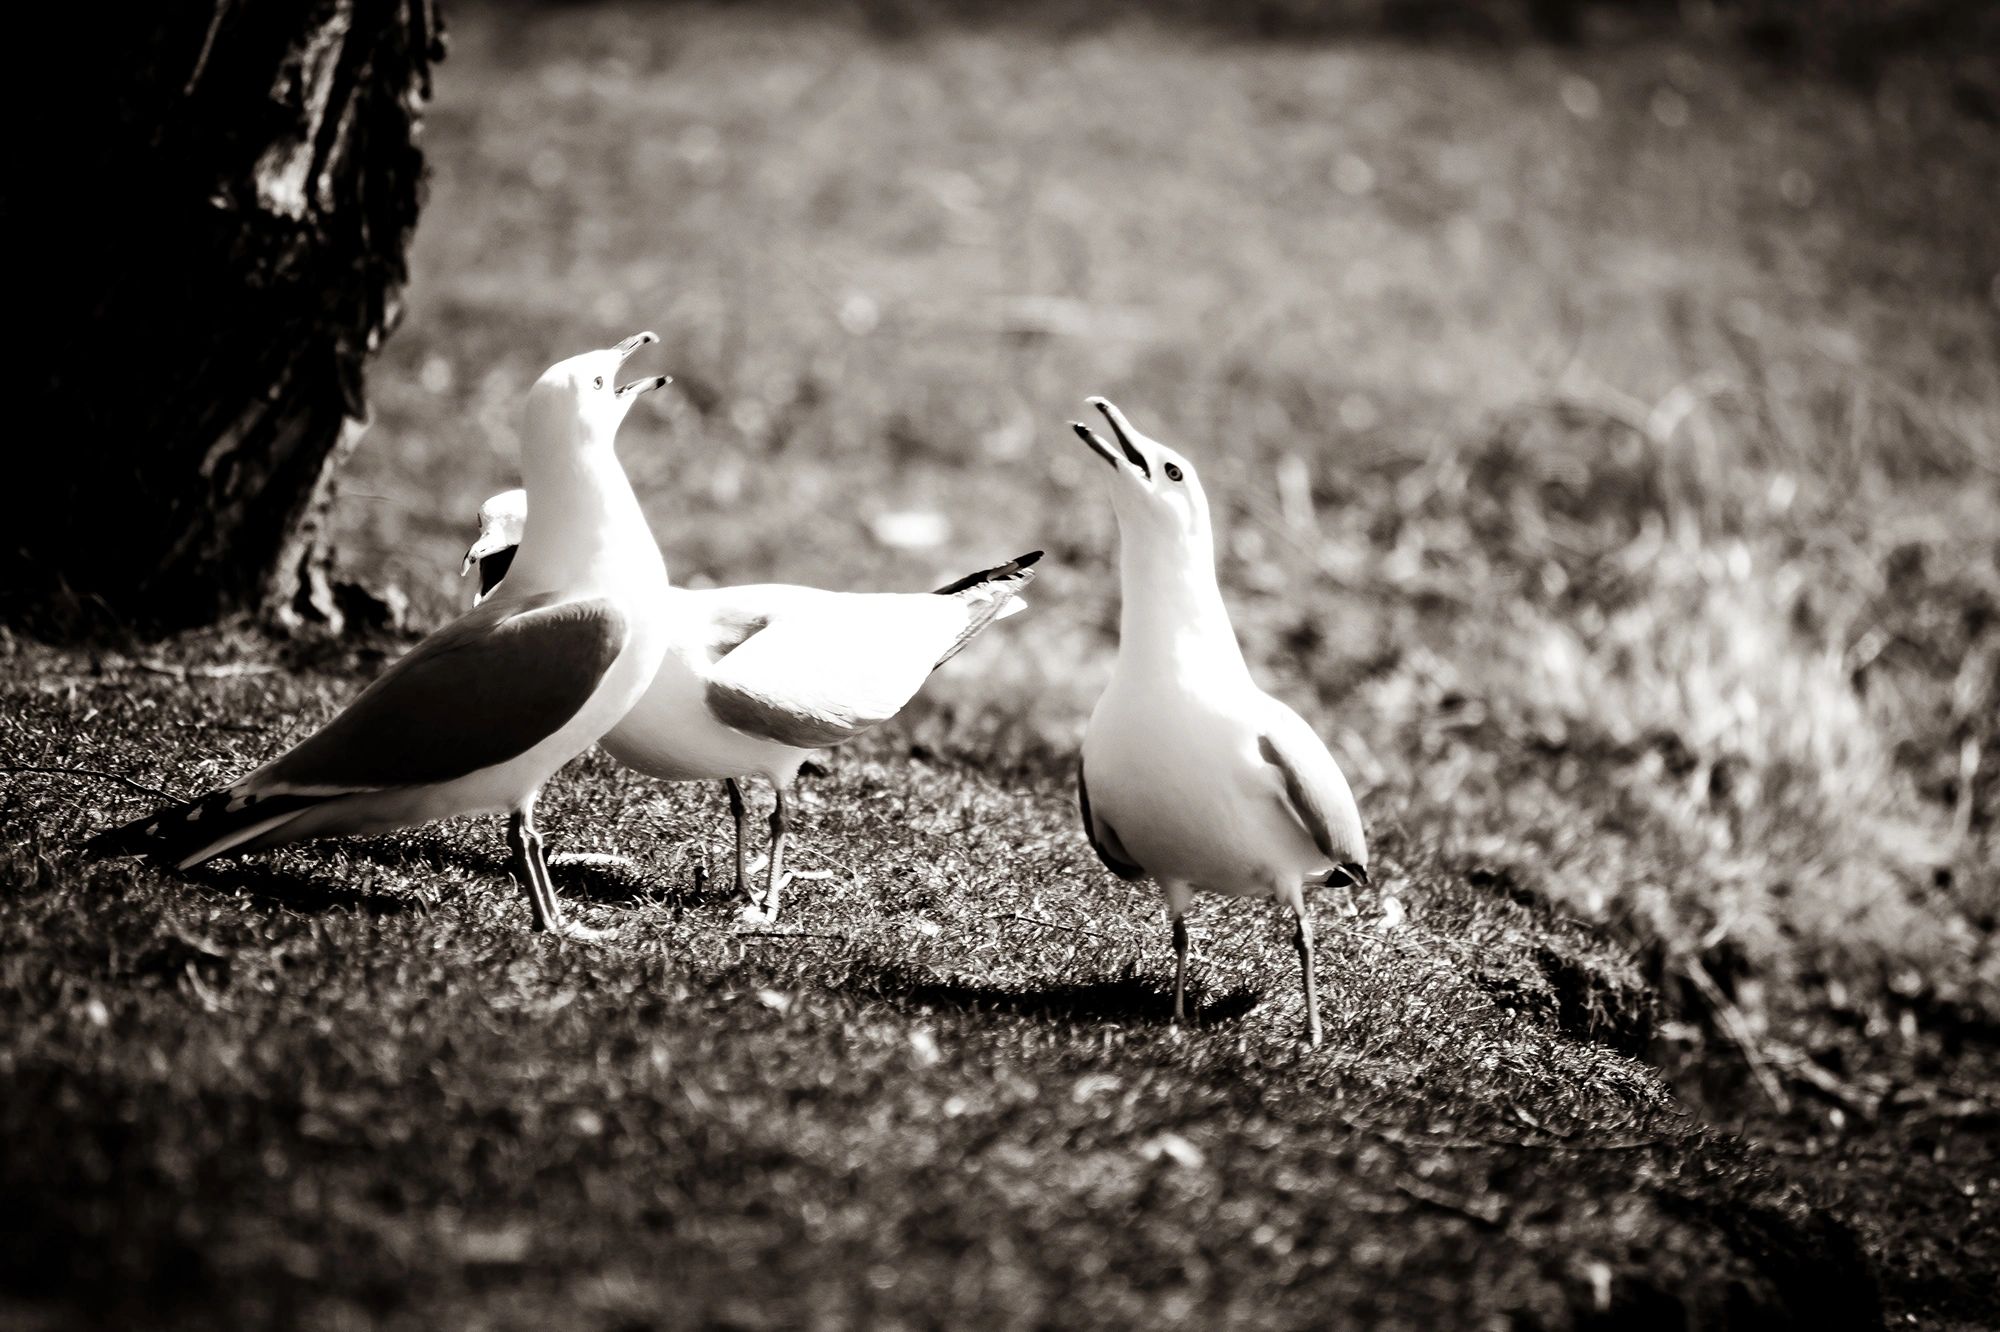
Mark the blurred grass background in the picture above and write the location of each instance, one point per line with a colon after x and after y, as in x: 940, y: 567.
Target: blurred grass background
x: 1603, y: 435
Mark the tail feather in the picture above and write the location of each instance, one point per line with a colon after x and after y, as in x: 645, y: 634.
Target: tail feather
x: 989, y: 594
x: 201, y: 829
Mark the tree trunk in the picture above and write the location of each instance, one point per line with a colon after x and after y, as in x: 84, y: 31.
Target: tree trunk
x: 219, y: 198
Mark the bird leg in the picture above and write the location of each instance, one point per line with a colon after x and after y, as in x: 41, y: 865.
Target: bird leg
x: 1180, y: 968
x: 781, y: 824
x: 533, y: 869
x: 739, y: 813
x: 766, y: 911
x: 1302, y: 940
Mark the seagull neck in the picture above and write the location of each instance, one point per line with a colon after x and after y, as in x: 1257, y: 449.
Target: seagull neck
x: 1172, y: 610
x: 584, y: 525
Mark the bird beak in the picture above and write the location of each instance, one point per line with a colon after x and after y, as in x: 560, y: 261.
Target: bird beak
x: 1097, y: 446
x: 638, y: 386
x: 489, y: 543
x: 1121, y: 429
x: 627, y: 392
x: 632, y: 344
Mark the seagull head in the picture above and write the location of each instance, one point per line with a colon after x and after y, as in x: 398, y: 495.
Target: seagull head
x: 578, y: 404
x: 1154, y: 490
x: 502, y: 519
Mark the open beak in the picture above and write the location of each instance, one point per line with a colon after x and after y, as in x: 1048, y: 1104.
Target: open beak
x: 1120, y: 429
x: 638, y: 386
x: 632, y: 344
x: 489, y: 543
x: 493, y: 557
x: 647, y: 385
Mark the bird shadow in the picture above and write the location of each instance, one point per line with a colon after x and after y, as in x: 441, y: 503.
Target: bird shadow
x: 605, y: 884
x: 317, y: 883
x: 1129, y: 999
x: 274, y: 886
x: 314, y: 887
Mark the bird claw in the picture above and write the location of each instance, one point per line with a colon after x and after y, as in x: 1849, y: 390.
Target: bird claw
x: 570, y: 929
x: 762, y: 908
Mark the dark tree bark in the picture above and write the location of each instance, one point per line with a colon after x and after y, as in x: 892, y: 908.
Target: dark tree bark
x: 217, y: 198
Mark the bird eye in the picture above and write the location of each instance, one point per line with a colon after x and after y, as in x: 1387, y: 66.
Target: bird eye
x: 1173, y: 472
x: 598, y: 382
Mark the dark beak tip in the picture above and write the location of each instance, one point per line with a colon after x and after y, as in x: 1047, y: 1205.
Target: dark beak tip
x: 632, y: 344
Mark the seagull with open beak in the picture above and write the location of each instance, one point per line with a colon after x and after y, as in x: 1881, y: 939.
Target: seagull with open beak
x: 478, y: 715
x: 1191, y: 774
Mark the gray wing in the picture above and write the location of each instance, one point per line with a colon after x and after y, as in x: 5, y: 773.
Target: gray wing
x: 482, y: 690
x: 1317, y: 793
x: 1103, y: 839
x: 802, y: 726
x: 815, y: 668
x: 805, y: 681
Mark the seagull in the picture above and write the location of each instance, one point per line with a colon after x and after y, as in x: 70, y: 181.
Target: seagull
x: 1190, y: 774
x: 755, y: 678
x: 477, y: 716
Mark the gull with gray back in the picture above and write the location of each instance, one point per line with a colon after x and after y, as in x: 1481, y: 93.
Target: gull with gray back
x: 478, y: 715
x: 1192, y: 775
x: 753, y: 679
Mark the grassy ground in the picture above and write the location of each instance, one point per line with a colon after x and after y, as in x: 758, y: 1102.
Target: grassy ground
x: 345, y: 1081
x: 1605, y: 448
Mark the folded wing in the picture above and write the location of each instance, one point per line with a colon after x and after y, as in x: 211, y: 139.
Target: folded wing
x: 1103, y: 837
x: 1314, y: 789
x: 816, y: 668
x: 485, y: 689
x: 481, y: 691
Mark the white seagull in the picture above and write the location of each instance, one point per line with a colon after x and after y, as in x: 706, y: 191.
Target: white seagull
x: 755, y: 678
x: 478, y: 715
x: 1190, y: 773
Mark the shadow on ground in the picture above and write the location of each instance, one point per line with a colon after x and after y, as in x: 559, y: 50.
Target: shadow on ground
x: 1129, y: 1000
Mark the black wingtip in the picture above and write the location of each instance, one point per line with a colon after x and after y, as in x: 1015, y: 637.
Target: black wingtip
x: 993, y: 575
x: 104, y: 845
x: 168, y: 835
x: 135, y: 838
